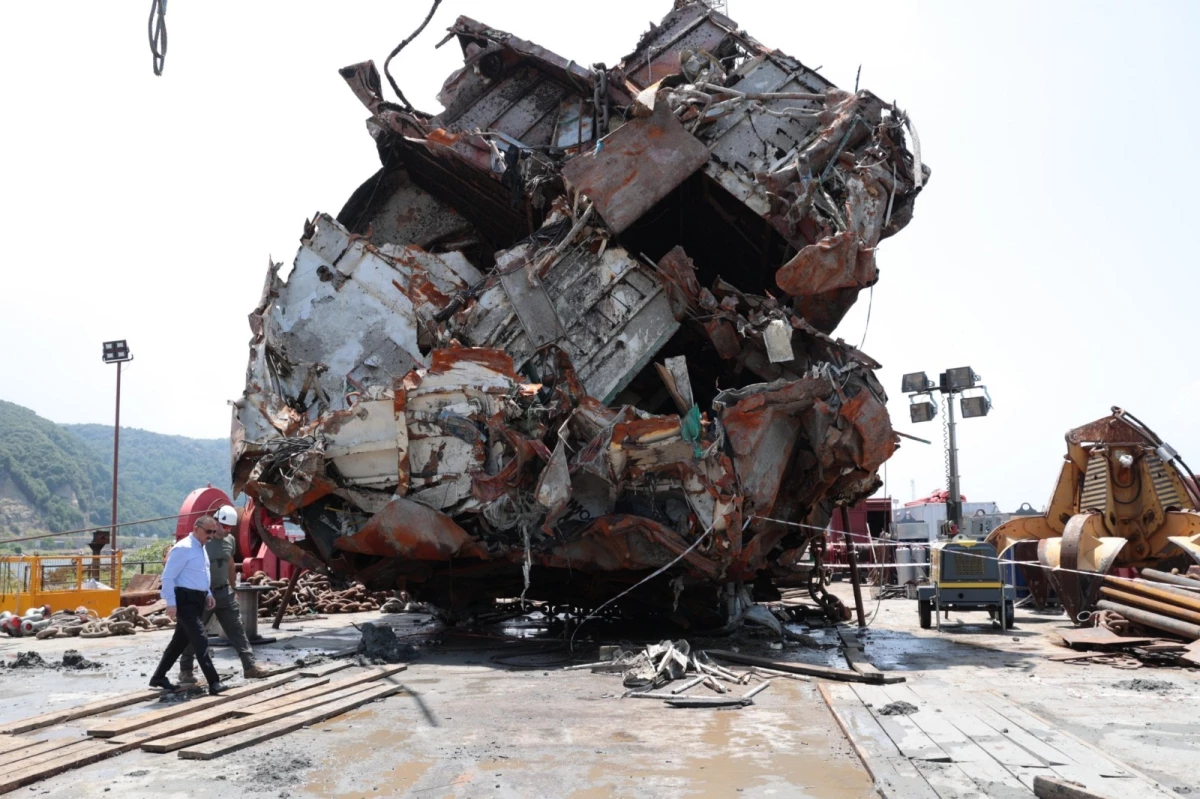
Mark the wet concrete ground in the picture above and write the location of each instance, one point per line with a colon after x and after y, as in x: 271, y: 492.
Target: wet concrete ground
x: 469, y: 727
x: 472, y: 727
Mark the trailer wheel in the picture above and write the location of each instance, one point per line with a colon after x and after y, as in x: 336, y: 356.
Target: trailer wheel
x: 1009, y: 621
x: 925, y: 611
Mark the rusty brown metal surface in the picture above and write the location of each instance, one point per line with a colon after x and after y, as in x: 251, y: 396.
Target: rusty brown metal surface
x: 577, y: 329
x: 636, y: 166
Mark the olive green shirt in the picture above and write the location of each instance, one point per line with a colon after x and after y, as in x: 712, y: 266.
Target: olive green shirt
x: 220, y: 552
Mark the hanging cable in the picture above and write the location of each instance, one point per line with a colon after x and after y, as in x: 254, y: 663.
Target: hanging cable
x: 404, y: 100
x: 156, y: 29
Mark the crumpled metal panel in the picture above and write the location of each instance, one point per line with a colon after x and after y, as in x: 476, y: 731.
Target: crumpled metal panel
x: 637, y: 165
x: 577, y: 327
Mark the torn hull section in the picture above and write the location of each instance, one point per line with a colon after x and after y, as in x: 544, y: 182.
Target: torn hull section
x: 575, y: 331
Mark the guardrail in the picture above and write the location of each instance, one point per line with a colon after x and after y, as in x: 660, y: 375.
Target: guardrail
x: 64, y: 582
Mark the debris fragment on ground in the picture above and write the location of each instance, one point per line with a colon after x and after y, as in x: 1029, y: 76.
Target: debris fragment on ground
x: 379, y: 644
x: 897, y: 709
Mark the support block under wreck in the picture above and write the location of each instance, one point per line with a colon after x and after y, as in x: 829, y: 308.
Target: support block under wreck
x: 577, y: 328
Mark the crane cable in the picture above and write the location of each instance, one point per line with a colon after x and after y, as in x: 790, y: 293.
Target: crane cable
x: 156, y: 29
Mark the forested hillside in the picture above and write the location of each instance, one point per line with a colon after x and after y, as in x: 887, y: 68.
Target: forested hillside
x: 57, y: 477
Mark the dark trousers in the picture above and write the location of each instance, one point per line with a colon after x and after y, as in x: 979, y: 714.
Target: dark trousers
x: 189, y: 630
x: 229, y: 614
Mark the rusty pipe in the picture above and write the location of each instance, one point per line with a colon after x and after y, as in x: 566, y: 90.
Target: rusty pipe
x: 1167, y: 577
x: 1191, y: 603
x: 1171, y: 589
x: 1155, y: 620
x: 1165, y: 608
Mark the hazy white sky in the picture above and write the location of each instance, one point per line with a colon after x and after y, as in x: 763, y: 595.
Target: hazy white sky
x: 1050, y: 250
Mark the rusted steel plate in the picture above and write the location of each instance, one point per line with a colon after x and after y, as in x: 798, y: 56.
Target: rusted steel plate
x: 637, y: 165
x: 409, y: 529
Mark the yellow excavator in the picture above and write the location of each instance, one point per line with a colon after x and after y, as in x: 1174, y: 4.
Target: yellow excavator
x: 1124, y: 500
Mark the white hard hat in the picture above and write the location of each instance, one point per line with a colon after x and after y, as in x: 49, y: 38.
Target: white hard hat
x: 226, y: 515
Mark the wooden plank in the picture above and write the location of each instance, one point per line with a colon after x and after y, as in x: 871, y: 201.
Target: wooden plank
x: 1030, y: 743
x: 243, y: 723
x: 89, y: 752
x: 11, y: 743
x: 269, y: 705
x: 1028, y: 774
x: 80, y: 711
x: 1069, y: 745
x: 1105, y: 786
x: 855, y: 654
x: 124, y: 725
x: 233, y: 743
x: 895, y: 777
x: 828, y: 672
x: 952, y: 740
x: 912, y: 742
x: 949, y: 780
x: 1008, y: 753
x: 17, y: 755
x: 11, y: 758
x: 324, y: 669
x: 74, y: 745
x: 193, y: 720
x: 1056, y: 788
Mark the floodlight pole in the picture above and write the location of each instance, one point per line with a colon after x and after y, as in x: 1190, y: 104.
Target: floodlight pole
x: 954, y: 500
x: 116, y: 459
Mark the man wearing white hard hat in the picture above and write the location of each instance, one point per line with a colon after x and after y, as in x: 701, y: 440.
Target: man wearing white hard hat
x: 223, y: 574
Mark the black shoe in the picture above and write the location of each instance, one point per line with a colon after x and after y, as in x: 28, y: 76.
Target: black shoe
x: 216, y: 689
x: 163, y: 683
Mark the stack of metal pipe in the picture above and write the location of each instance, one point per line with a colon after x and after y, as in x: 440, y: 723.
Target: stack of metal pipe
x: 1160, y: 600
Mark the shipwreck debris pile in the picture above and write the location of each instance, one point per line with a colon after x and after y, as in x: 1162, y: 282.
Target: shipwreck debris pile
x: 577, y: 330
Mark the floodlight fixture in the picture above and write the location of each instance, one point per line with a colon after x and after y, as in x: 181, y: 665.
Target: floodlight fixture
x: 915, y: 382
x: 116, y: 351
x: 975, y: 406
x: 922, y: 411
x: 963, y: 377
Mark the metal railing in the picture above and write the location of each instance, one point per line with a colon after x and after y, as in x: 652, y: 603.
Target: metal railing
x: 64, y: 582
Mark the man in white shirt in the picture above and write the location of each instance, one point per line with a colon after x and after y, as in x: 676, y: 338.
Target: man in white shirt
x: 185, y: 587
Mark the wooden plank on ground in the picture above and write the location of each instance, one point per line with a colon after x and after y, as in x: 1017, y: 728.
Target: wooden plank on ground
x: 991, y: 777
x: 233, y: 743
x: 11, y: 743
x: 1028, y: 774
x: 243, y: 723
x: 87, y: 753
x: 949, y: 780
x: 1104, y: 786
x: 895, y: 777
x: 16, y: 755
x: 74, y: 745
x: 1068, y: 745
x: 200, y: 718
x: 812, y: 670
x: 856, y: 656
x: 80, y: 711
x: 1023, y: 739
x: 912, y: 742
x: 267, y: 705
x: 1008, y: 753
x: 1052, y: 787
x: 324, y: 669
x: 129, y: 724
